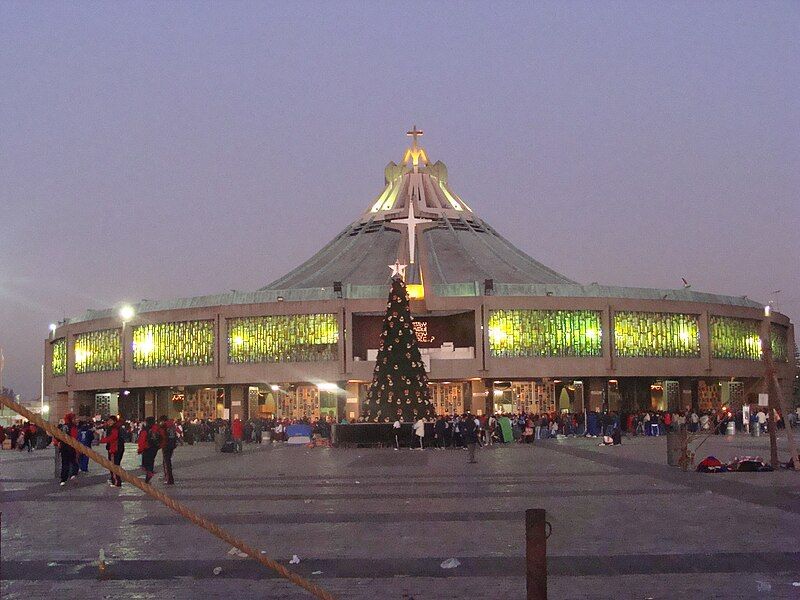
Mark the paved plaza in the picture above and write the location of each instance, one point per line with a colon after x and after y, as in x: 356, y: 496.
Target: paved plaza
x: 378, y: 524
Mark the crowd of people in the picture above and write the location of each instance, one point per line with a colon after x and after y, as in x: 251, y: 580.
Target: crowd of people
x: 445, y: 431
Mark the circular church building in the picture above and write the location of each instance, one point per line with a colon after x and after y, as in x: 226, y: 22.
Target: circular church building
x: 498, y: 331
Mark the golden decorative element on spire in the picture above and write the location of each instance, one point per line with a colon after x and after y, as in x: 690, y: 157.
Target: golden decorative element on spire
x: 416, y: 152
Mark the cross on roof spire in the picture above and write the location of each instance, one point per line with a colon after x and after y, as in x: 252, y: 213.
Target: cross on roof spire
x: 416, y: 153
x: 414, y: 133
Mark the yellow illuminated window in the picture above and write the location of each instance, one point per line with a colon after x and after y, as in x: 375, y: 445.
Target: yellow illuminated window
x: 735, y: 338
x: 98, y: 351
x: 283, y: 338
x: 531, y: 333
x: 663, y: 335
x: 58, y: 365
x: 178, y: 344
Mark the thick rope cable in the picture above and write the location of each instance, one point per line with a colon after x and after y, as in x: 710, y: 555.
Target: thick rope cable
x: 178, y: 507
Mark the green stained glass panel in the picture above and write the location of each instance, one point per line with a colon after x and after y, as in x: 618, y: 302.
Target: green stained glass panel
x: 98, y: 351
x: 283, y: 338
x: 735, y: 338
x: 177, y: 344
x: 529, y: 333
x: 58, y: 364
x: 779, y: 341
x: 662, y: 335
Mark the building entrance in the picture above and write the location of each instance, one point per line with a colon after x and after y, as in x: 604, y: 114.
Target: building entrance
x: 531, y: 397
x: 448, y: 398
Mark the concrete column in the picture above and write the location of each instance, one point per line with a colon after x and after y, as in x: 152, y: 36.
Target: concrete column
x: 238, y: 397
x: 488, y: 391
x: 688, y: 394
x: 704, y: 331
x: 607, y: 324
x: 596, y: 389
x: 478, y: 400
x: 149, y: 403
x: 352, y: 407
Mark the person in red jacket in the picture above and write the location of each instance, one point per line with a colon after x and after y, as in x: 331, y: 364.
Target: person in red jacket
x: 69, y: 458
x: 115, y: 446
x: 149, y: 442
x: 237, y: 432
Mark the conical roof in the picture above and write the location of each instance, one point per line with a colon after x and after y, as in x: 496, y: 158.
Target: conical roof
x: 419, y: 221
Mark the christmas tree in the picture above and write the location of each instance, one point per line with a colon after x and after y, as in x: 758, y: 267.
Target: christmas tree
x: 399, y: 384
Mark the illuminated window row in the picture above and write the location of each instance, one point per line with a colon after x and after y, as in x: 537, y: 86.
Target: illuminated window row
x: 58, y: 363
x: 182, y: 344
x: 662, y: 335
x: 283, y: 338
x: 531, y: 333
x: 735, y: 338
x: 98, y: 351
x: 779, y: 341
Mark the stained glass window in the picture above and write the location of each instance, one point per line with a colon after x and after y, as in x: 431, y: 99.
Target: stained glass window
x: 735, y: 338
x: 663, y: 335
x: 779, y: 340
x: 529, y: 333
x: 178, y: 344
x: 283, y: 338
x: 98, y: 351
x: 58, y: 363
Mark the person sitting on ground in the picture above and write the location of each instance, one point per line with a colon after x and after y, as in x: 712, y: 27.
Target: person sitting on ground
x: 615, y: 439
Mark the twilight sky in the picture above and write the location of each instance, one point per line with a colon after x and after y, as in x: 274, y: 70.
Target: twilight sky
x: 155, y: 150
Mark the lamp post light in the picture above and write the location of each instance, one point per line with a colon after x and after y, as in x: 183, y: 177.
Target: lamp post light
x: 126, y: 313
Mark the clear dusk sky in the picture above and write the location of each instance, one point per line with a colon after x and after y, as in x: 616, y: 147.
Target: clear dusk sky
x: 158, y: 150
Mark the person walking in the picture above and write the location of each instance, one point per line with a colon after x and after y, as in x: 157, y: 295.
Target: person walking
x: 149, y: 443
x: 69, y: 459
x: 170, y: 435
x: 471, y: 427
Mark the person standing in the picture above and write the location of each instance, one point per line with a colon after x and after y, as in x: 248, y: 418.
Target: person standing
x: 396, y: 432
x: 490, y: 429
x: 419, y: 431
x: 440, y: 432
x: 149, y: 443
x: 69, y: 459
x: 471, y: 426
x: 85, y: 437
x: 237, y: 432
x: 170, y: 435
x: 115, y: 446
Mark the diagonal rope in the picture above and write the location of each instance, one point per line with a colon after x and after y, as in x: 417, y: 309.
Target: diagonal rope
x: 178, y: 507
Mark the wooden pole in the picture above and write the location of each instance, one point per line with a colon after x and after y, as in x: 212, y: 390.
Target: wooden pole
x: 776, y: 399
x: 178, y: 507
x: 535, y: 554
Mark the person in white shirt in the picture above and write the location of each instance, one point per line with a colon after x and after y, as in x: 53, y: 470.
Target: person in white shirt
x: 704, y: 422
x: 419, y: 431
x: 762, y: 420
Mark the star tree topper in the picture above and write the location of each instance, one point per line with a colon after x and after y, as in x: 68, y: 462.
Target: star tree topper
x: 398, y: 269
